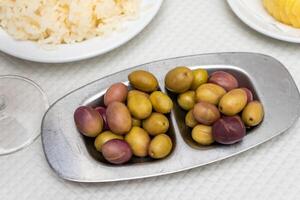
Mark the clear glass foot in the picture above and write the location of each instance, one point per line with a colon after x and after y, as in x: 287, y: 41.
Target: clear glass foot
x: 22, y: 106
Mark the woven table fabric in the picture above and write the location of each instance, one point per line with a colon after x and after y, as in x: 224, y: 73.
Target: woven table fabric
x: 270, y: 171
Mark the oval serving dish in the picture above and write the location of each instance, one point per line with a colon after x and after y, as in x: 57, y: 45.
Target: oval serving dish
x: 73, y: 156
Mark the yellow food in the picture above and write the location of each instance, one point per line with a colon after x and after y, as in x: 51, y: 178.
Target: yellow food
x: 105, y: 137
x: 190, y: 120
x: 187, y: 100
x: 143, y: 80
x: 139, y: 105
x: 156, y: 124
x: 210, y: 93
x: 136, y: 122
x: 64, y: 21
x: 253, y: 113
x: 161, y: 102
x: 160, y: 146
x: 138, y: 140
x: 285, y: 11
x: 233, y: 102
x: 200, y: 77
x: 202, y: 134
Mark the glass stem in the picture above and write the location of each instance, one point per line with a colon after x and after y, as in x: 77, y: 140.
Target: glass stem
x: 2, y: 105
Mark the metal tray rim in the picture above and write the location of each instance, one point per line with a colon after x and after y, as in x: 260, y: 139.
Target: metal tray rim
x: 181, y: 169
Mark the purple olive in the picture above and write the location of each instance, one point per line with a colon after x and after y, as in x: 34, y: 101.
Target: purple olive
x: 116, y: 151
x: 88, y: 121
x: 206, y: 113
x: 224, y: 79
x: 228, y: 130
x: 249, y: 94
x: 102, y: 112
x: 118, y: 118
x: 116, y: 92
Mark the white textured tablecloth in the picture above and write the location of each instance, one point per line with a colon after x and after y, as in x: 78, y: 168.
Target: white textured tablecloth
x: 270, y: 171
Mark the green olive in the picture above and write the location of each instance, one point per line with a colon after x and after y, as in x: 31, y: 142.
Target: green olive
x: 136, y: 122
x: 161, y: 102
x: 138, y: 140
x: 156, y: 124
x: 200, y: 77
x: 190, y: 120
x: 139, y: 106
x: 202, y: 134
x: 210, y: 93
x: 253, y: 113
x: 187, y: 100
x: 233, y: 102
x: 143, y: 80
x: 105, y: 137
x: 160, y: 146
x: 134, y: 92
x: 179, y: 79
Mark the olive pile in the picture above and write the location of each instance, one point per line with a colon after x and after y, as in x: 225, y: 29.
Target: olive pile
x: 134, y: 123
x: 217, y: 109
x: 138, y: 128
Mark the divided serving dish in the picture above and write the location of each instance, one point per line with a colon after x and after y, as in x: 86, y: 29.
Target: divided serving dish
x: 73, y: 156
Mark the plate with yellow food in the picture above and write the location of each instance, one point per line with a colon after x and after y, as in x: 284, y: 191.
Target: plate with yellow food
x: 279, y: 19
x: 60, y: 31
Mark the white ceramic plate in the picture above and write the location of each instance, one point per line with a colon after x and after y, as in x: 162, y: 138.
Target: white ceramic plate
x: 73, y: 52
x: 252, y: 13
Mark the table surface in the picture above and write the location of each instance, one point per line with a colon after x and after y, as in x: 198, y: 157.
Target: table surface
x: 188, y: 27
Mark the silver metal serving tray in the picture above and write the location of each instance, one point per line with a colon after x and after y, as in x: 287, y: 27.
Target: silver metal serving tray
x: 73, y: 156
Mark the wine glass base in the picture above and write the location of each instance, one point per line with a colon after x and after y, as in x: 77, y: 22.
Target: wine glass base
x: 22, y: 106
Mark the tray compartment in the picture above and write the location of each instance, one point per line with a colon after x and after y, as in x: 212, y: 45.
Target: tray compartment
x: 185, y: 131
x: 98, y: 100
